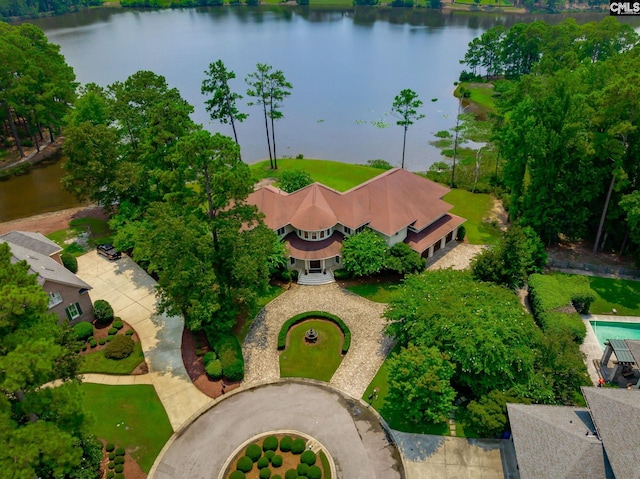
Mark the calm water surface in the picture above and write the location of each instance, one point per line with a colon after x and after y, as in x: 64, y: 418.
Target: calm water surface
x: 346, y: 66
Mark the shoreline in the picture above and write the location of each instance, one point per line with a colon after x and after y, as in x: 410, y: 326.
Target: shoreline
x: 47, y: 223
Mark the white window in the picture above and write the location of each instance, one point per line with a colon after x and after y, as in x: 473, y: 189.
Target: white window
x: 73, y: 311
x: 347, y: 230
x: 54, y: 299
x: 280, y: 231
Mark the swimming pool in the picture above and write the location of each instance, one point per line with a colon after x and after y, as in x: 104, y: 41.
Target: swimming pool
x: 613, y: 330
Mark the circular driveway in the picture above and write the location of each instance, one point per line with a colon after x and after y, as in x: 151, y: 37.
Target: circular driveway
x: 350, y: 432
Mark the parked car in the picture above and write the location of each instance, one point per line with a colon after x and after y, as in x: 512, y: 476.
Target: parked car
x: 108, y: 251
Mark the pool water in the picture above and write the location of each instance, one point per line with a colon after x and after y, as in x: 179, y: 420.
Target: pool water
x: 611, y: 330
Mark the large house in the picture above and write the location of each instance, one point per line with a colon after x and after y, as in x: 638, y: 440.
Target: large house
x: 398, y: 205
x: 68, y: 295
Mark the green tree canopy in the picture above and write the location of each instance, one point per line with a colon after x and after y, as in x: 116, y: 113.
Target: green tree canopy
x: 293, y: 180
x: 405, y: 108
x: 364, y: 254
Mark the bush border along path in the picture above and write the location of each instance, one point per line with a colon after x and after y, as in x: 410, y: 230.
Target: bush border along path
x: 298, y: 318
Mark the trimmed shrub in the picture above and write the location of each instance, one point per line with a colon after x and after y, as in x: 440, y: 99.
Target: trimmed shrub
x: 93, y: 343
x: 298, y: 318
x: 341, y: 274
x: 120, y: 451
x: 276, y: 461
x: 263, y: 462
x: 111, y: 475
x: 112, y: 456
x: 129, y: 332
x: 210, y: 356
x: 237, y: 475
x: 302, y: 469
x: 119, y: 468
x: 270, y: 443
x: 314, y: 472
x: 229, y: 352
x: 119, y: 459
x: 111, y: 465
x: 462, y: 232
x: 70, y: 262
x: 112, y: 331
x: 110, y: 447
x: 83, y: 330
x: 285, y: 443
x: 110, y: 338
x: 254, y: 452
x: 214, y: 369
x: 298, y: 445
x: 269, y: 454
x: 277, y: 476
x: 294, y: 277
x: 265, y: 473
x: 102, y: 311
x: 291, y: 474
x: 121, y: 347
x: 102, y: 341
x: 244, y: 464
x: 119, y: 476
x: 118, y: 324
x: 308, y: 458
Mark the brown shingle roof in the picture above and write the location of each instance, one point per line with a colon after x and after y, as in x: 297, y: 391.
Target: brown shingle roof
x: 436, y: 231
x: 301, y: 249
x: 388, y: 203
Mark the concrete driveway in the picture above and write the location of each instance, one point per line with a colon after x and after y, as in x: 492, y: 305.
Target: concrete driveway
x: 131, y: 293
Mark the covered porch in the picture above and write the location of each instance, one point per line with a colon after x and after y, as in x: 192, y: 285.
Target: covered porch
x: 624, y: 369
x: 314, y: 260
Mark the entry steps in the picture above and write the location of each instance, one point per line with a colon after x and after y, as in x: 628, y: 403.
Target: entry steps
x: 315, y: 279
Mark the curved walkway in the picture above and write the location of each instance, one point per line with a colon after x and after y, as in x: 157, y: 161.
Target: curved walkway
x: 369, y: 345
x: 351, y: 432
x: 131, y: 293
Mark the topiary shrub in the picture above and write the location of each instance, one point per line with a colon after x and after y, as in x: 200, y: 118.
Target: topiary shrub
x: 118, y: 324
x: 462, y: 231
x: 119, y: 468
x: 237, y: 475
x: 119, y: 459
x: 229, y: 352
x: 93, y: 343
x: 109, y: 447
x: 83, y: 330
x: 314, y: 472
x: 120, y: 451
x: 265, y: 473
x: 263, y: 462
x: 110, y: 338
x: 129, y: 332
x: 244, y: 464
x: 103, y: 312
x: 111, y: 475
x: 70, y: 262
x: 214, y: 369
x: 276, y: 461
x: 308, y: 458
x: 112, y: 331
x: 254, y: 452
x: 291, y: 474
x: 269, y: 454
x: 298, y: 445
x: 270, y: 443
x: 210, y: 356
x: 285, y: 443
x: 102, y: 341
x: 302, y: 469
x: 277, y: 476
x: 112, y: 456
x: 119, y: 476
x: 111, y: 465
x: 121, y: 347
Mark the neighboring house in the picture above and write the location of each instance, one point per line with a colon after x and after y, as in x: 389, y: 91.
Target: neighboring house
x: 68, y: 294
x: 560, y: 442
x: 398, y: 205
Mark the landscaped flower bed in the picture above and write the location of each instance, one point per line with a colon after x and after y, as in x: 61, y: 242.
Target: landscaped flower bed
x: 278, y: 456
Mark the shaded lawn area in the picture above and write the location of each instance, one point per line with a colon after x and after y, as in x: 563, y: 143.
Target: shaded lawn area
x: 129, y: 416
x: 317, y: 361
x: 334, y: 174
x: 395, y: 418
x: 378, y: 292
x: 620, y: 294
x: 244, y: 325
x: 100, y: 233
x: 474, y: 207
x: 96, y: 362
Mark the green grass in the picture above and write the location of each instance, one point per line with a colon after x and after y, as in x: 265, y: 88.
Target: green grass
x: 378, y: 292
x: 500, y: 3
x: 318, y: 361
x: 96, y: 362
x: 336, y: 175
x: 475, y: 207
x: 620, y: 294
x: 395, y: 419
x: 128, y: 416
x: 482, y: 94
x: 100, y: 233
x: 244, y: 326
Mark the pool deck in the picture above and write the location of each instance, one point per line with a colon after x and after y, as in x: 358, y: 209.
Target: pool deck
x: 591, y: 346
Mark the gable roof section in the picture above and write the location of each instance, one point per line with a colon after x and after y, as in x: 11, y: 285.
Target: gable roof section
x: 557, y: 442
x: 32, y: 241
x: 46, y: 268
x: 615, y: 413
x: 389, y: 202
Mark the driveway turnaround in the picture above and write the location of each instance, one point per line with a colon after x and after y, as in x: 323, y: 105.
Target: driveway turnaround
x: 348, y: 429
x: 131, y: 293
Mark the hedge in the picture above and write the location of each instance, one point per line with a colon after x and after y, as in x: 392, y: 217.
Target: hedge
x: 270, y: 443
x: 308, y: 458
x: 83, y: 330
x: 229, y: 352
x: 244, y: 464
x: 298, y: 318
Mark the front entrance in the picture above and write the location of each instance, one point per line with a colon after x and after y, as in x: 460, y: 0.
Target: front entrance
x: 315, y: 266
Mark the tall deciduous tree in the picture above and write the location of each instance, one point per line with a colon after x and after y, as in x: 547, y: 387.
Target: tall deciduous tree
x: 405, y: 107
x: 364, y: 253
x: 222, y: 104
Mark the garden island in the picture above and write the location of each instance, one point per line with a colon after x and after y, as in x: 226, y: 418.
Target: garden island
x: 300, y: 318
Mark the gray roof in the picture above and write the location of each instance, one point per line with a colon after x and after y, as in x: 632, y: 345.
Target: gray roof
x: 557, y: 442
x: 634, y: 349
x: 46, y: 268
x: 32, y: 241
x: 620, y: 349
x: 616, y: 414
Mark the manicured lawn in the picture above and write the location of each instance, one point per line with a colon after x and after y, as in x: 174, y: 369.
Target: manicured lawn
x: 395, y: 419
x: 501, y: 3
x: 623, y: 295
x: 129, y: 416
x: 96, y: 362
x: 378, y: 292
x: 336, y: 175
x: 317, y: 361
x: 474, y: 207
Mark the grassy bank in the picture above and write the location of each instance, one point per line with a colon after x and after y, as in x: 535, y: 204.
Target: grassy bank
x: 476, y: 208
